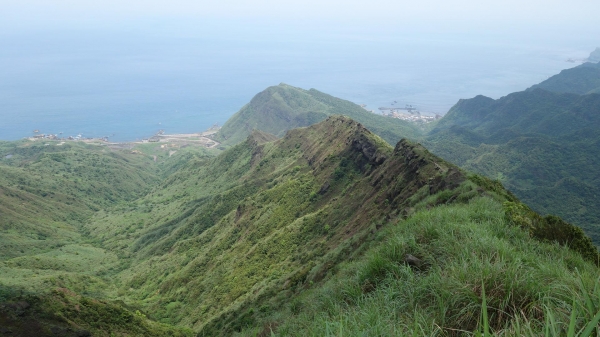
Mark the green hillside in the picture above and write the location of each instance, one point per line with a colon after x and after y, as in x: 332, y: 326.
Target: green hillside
x: 306, y: 234
x: 50, y: 274
x: 283, y: 107
x: 581, y: 80
x: 471, y: 261
x: 291, y: 208
x: 528, y: 112
x: 223, y: 243
x: 47, y: 191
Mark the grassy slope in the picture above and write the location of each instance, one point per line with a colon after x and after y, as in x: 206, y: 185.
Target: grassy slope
x: 543, y: 146
x: 62, y: 312
x: 46, y: 192
x: 465, y: 248
x: 283, y: 107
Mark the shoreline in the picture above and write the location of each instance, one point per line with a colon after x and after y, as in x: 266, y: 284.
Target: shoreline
x: 203, y: 138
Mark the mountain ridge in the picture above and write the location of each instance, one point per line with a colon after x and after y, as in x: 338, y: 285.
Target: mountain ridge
x: 482, y: 126
x: 303, y: 198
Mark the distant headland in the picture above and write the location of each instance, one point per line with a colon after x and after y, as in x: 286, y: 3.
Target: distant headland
x: 594, y: 56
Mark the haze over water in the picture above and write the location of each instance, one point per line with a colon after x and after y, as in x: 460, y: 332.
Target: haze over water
x: 127, y: 83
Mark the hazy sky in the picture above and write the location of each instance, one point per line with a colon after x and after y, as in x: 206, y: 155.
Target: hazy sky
x: 571, y: 16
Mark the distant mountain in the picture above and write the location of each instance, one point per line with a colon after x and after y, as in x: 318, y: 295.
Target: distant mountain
x: 283, y: 107
x: 544, y: 146
x: 594, y: 56
x: 533, y: 111
x: 581, y: 80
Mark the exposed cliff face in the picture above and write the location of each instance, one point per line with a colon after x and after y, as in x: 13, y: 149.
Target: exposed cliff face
x: 339, y: 136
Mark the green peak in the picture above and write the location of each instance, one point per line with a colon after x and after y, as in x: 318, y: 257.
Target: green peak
x: 283, y: 107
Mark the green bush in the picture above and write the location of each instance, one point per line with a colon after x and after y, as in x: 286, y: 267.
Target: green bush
x: 552, y: 229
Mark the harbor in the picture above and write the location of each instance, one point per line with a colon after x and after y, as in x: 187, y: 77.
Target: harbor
x: 409, y: 113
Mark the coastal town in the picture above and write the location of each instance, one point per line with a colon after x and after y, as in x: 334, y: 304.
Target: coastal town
x: 408, y: 113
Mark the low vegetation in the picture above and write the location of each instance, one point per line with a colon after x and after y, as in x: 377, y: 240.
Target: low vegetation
x: 52, y: 278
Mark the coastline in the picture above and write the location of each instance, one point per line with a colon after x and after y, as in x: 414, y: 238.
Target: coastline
x: 203, y: 139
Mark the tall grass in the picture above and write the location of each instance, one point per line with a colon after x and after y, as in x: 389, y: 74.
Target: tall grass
x: 552, y: 327
x: 480, y: 276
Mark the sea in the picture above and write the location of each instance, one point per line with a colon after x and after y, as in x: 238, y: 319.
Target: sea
x: 129, y: 84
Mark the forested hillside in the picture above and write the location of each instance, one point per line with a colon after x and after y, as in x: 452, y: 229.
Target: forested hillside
x: 51, y: 276
x: 543, y: 146
x: 47, y: 191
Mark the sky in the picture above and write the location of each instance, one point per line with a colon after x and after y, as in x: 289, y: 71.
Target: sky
x: 432, y: 15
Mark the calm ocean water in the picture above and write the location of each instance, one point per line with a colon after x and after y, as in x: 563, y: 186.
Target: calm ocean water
x: 128, y: 86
